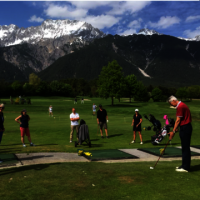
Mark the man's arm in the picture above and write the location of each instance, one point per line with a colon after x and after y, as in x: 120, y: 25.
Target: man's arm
x: 178, y: 120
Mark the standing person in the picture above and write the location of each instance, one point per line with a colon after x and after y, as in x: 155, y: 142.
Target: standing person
x: 24, y: 119
x: 74, y: 117
x: 2, y: 129
x: 82, y: 100
x: 50, y: 111
x: 136, y: 123
x: 75, y: 101
x: 101, y: 120
x: 183, y: 119
x: 94, y: 108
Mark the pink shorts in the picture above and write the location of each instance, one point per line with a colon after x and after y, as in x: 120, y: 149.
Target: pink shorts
x: 24, y: 131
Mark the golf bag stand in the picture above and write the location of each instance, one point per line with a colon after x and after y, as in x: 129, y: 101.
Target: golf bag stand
x: 83, y: 134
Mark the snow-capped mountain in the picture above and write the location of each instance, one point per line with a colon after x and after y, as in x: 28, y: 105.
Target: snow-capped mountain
x: 197, y: 38
x: 38, y: 47
x: 49, y: 29
x: 146, y: 31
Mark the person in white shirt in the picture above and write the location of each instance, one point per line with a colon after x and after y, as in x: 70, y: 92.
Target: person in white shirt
x: 94, y: 109
x: 74, y: 117
x: 50, y: 111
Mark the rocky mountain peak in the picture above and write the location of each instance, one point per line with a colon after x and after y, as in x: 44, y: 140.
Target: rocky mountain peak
x: 146, y: 31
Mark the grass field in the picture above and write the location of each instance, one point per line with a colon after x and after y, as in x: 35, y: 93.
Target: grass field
x: 93, y: 180
x: 97, y: 181
x: 52, y: 134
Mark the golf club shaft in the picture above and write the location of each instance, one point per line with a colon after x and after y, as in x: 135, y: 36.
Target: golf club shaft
x: 162, y: 153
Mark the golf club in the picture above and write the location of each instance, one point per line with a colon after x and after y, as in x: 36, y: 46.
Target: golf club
x: 160, y: 155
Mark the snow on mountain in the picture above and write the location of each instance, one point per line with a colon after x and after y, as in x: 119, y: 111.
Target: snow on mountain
x: 197, y: 38
x: 146, y: 31
x: 49, y: 29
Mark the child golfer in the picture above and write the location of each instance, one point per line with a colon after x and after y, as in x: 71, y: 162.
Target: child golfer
x: 136, y: 123
x: 24, y: 119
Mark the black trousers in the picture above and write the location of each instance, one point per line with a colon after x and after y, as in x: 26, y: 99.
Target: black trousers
x: 185, y: 136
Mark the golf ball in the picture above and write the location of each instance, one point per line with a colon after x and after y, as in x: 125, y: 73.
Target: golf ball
x: 151, y: 167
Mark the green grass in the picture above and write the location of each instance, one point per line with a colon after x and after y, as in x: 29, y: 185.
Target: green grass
x: 74, y: 180
x: 111, y: 181
x: 52, y: 134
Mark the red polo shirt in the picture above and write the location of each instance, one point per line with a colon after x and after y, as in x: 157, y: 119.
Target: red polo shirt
x: 183, y: 112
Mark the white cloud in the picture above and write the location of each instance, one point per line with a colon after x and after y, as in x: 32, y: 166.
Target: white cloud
x: 126, y: 32
x: 101, y: 21
x: 60, y: 11
x: 135, y: 23
x: 36, y: 19
x: 192, y: 34
x: 165, y: 22
x: 119, y: 8
x: 89, y: 4
x: 192, y: 18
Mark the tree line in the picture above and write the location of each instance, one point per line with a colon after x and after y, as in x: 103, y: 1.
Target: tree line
x: 111, y: 84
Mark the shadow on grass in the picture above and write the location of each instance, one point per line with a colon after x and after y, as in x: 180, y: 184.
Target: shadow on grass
x: 22, y: 169
x: 110, y: 136
x: 195, y: 168
x: 92, y: 145
x: 45, y: 144
x: 94, y: 140
x: 21, y: 144
x: 11, y: 144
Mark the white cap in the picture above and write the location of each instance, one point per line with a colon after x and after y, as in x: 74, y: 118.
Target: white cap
x: 136, y: 110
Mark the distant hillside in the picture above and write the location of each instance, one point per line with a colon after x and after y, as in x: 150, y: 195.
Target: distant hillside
x: 154, y: 59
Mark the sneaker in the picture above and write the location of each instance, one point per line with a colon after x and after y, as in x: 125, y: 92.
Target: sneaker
x: 24, y: 145
x: 179, y: 167
x: 32, y: 144
x: 106, y: 136
x: 70, y: 141
x: 181, y: 170
x: 141, y: 142
x: 133, y: 141
x: 101, y: 136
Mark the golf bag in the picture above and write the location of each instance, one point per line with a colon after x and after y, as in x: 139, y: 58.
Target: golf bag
x: 83, y: 134
x: 156, y: 139
x: 155, y: 123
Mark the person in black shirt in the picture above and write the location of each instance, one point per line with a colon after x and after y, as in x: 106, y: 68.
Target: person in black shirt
x: 24, y: 119
x: 2, y: 129
x: 102, y: 118
x: 136, y: 123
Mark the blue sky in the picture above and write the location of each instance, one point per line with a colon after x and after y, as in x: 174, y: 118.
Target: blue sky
x: 180, y: 19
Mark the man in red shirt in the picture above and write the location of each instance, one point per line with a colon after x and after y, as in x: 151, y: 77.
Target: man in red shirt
x: 183, y: 119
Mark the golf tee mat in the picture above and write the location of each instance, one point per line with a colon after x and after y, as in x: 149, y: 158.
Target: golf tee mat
x: 169, y: 152
x: 8, y: 160
x: 109, y: 154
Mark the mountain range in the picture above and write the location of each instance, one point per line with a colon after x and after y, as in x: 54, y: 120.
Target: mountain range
x: 59, y: 49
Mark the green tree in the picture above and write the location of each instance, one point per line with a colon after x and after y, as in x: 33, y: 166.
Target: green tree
x: 157, y: 94
x: 131, y: 85
x: 194, y: 91
x: 182, y: 93
x: 141, y: 93
x: 34, y: 79
x: 109, y: 80
x: 17, y: 88
x: 28, y: 89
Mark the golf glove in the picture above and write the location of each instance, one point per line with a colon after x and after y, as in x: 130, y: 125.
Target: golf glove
x: 107, y: 121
